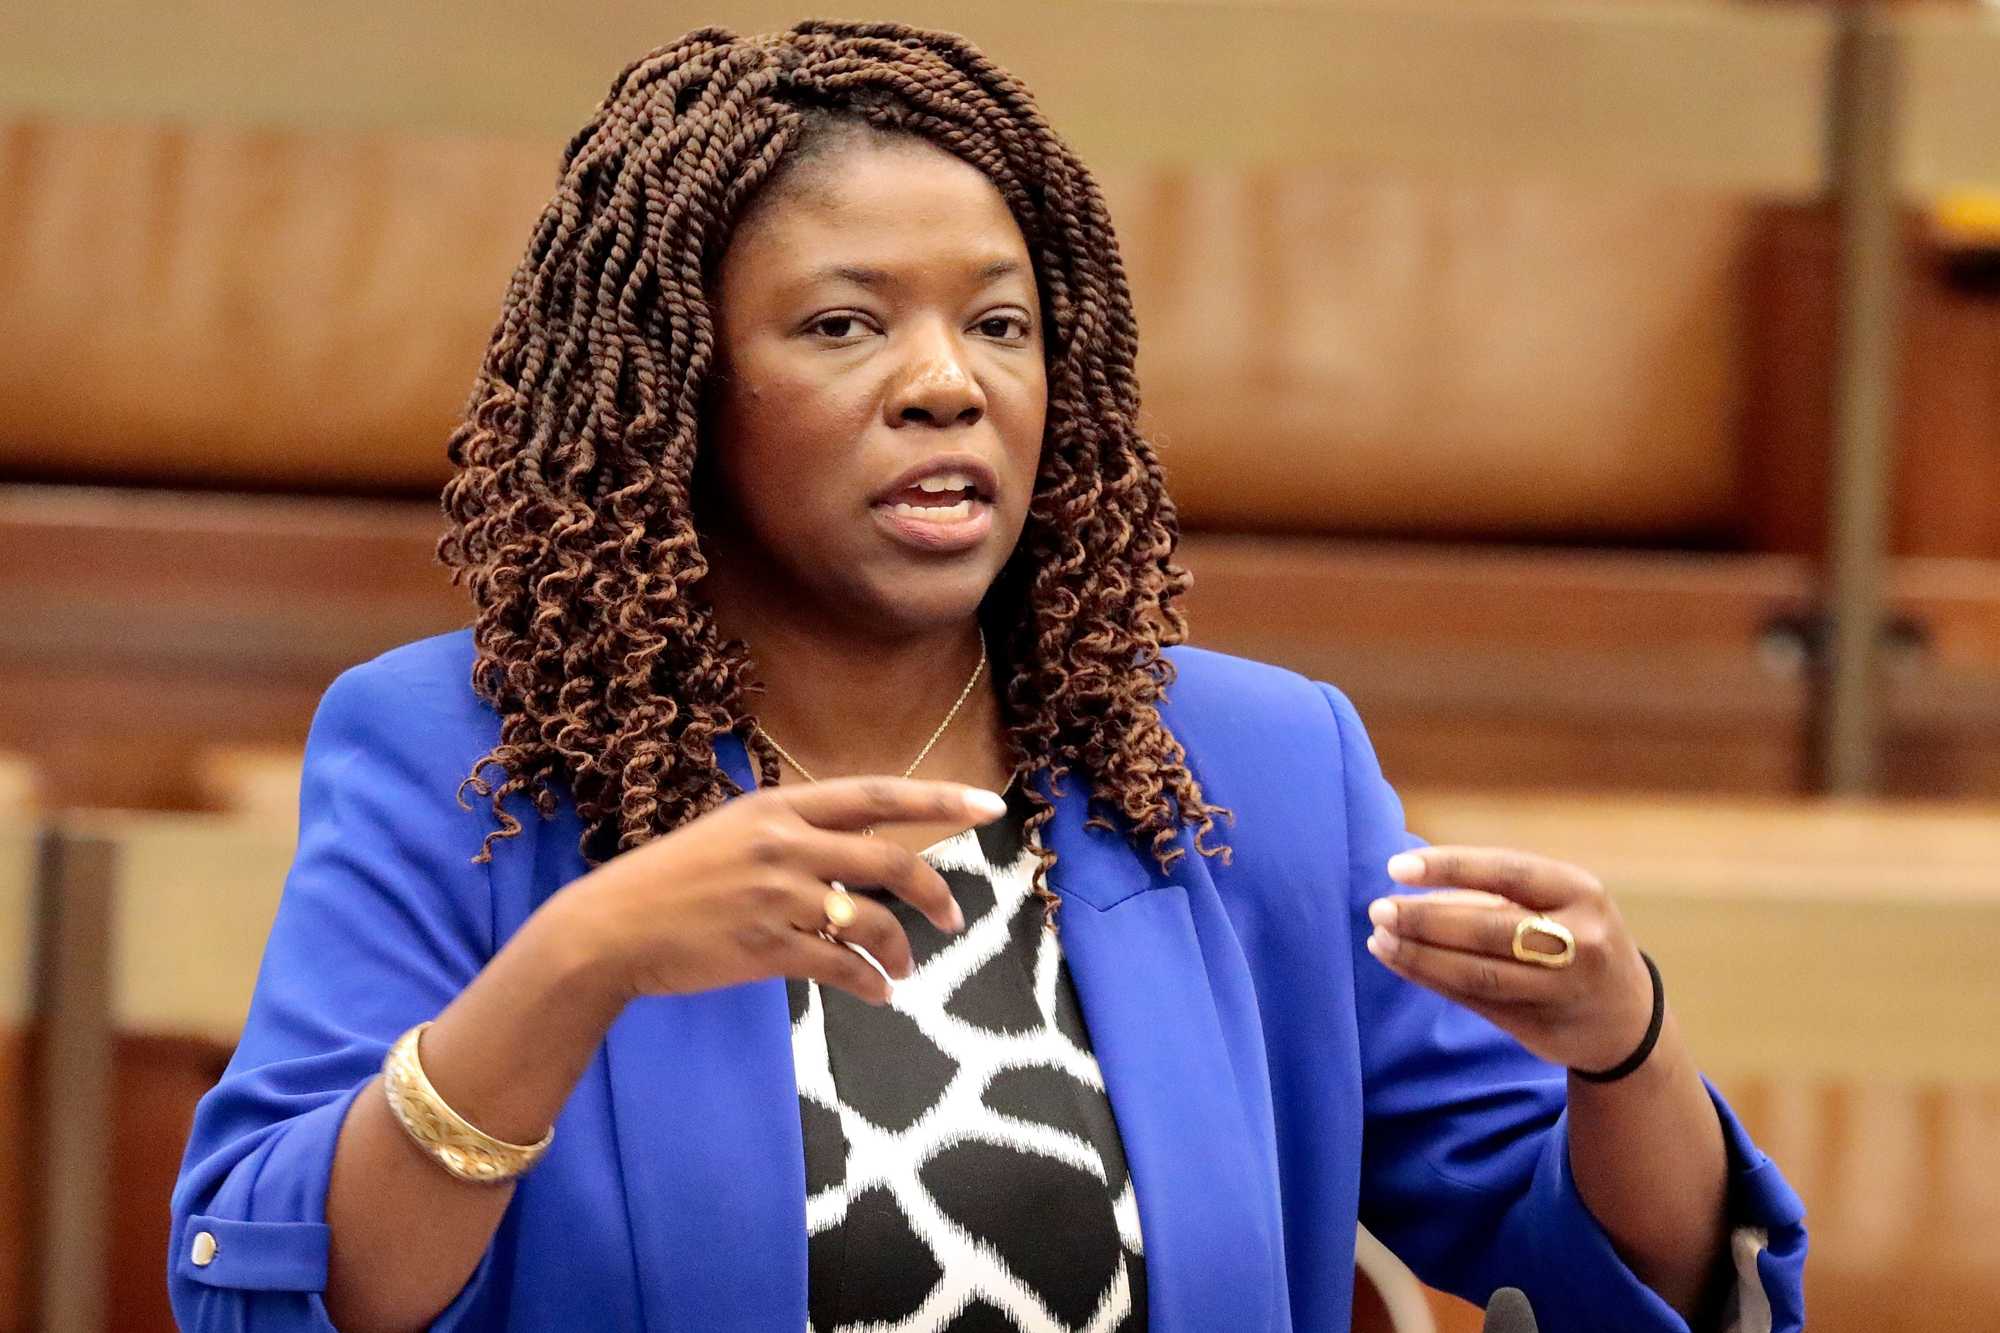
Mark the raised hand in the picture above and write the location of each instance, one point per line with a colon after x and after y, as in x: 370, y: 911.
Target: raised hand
x: 741, y: 893
x: 1587, y: 1013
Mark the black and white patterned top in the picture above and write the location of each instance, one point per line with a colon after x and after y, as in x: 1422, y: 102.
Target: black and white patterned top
x: 963, y: 1170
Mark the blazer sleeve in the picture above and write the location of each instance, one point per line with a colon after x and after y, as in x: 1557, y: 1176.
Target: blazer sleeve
x: 1465, y: 1157
x: 383, y: 920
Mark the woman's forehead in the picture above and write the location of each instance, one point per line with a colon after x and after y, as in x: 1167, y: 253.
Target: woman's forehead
x: 874, y: 216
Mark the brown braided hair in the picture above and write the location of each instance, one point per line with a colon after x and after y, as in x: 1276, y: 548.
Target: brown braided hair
x: 571, y: 515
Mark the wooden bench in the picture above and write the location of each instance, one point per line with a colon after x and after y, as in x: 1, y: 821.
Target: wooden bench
x: 1836, y: 968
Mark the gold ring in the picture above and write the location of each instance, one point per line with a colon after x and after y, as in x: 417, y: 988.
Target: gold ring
x: 838, y: 908
x: 1555, y: 930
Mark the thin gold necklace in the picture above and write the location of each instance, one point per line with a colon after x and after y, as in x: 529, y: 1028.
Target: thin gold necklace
x: 963, y: 695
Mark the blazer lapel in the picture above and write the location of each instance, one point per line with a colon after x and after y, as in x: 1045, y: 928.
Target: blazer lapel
x: 706, y: 1117
x: 1141, y: 969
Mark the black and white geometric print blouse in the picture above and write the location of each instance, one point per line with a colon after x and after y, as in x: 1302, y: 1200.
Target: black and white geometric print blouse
x: 963, y: 1170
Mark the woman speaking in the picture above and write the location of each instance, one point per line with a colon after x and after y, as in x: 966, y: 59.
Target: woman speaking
x: 679, y: 948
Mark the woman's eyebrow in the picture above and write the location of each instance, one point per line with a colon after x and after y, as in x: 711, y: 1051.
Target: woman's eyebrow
x: 862, y: 276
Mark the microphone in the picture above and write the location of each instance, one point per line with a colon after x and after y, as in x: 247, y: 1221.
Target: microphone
x: 1509, y: 1312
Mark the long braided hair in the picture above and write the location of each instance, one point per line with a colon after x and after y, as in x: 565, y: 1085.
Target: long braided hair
x: 571, y: 516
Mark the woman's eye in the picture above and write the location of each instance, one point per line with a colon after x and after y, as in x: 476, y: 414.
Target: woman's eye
x: 1010, y: 328
x: 838, y: 327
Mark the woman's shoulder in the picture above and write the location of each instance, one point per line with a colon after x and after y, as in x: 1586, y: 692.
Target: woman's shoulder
x: 1218, y: 695
x: 416, y: 698
x: 438, y: 663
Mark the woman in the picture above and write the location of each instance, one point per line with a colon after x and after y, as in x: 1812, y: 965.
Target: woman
x: 805, y: 444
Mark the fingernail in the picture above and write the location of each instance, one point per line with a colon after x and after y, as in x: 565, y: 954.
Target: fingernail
x: 990, y: 804
x: 1406, y: 866
x: 1383, y: 913
x: 1382, y: 944
x: 957, y: 918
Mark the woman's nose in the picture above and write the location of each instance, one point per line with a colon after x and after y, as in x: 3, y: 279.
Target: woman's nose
x: 937, y: 387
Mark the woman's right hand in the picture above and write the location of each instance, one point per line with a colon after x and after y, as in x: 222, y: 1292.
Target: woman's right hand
x: 739, y: 894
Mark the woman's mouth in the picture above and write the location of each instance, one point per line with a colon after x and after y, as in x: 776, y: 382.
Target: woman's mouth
x: 936, y: 521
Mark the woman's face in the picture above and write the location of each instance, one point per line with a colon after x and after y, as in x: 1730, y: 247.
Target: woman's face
x: 879, y: 326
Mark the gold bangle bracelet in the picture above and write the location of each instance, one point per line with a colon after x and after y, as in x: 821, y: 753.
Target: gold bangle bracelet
x: 446, y: 1136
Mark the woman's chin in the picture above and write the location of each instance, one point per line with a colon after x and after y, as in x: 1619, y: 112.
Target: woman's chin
x: 919, y: 602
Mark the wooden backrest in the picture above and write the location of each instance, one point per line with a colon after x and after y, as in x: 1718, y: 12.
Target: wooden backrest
x: 1808, y: 939
x: 223, y: 307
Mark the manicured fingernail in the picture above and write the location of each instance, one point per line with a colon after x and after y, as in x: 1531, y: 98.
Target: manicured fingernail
x: 989, y: 804
x: 1383, y: 913
x: 1406, y: 866
x: 1382, y: 944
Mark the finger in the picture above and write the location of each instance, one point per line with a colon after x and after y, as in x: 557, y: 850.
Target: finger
x: 1469, y: 922
x: 833, y: 964
x: 1475, y: 978
x: 874, y: 927
x: 856, y: 803
x: 855, y: 860
x: 1539, y: 882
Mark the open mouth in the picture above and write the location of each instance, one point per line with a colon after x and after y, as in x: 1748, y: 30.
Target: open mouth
x: 952, y: 505
x: 949, y: 519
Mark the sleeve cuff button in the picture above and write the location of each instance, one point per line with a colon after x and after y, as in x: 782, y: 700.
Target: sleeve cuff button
x: 203, y: 1252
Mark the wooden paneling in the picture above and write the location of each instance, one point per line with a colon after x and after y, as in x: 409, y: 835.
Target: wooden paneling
x: 156, y: 1082
x: 187, y: 903
x: 156, y: 928
x: 151, y: 629
x: 1946, y: 488
x: 1523, y: 669
x: 1947, y: 496
x: 1951, y: 97
x: 225, y: 308
x: 1391, y: 353
x: 1832, y: 966
x: 1901, y: 1182
x: 1374, y: 353
x: 1881, y: 921
x: 1828, y: 962
x: 18, y: 931
x: 145, y: 627
x: 193, y: 903
x: 149, y: 632
x: 1670, y: 93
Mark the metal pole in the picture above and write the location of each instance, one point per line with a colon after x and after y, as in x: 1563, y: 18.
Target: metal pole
x: 1864, y: 142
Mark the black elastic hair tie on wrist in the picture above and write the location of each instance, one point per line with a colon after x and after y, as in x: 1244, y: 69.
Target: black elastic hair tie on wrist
x: 1646, y: 1043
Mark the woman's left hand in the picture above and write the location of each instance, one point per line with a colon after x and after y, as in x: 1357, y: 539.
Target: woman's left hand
x: 1460, y: 943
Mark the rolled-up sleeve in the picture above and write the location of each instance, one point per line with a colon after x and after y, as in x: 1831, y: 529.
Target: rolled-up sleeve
x: 1465, y: 1167
x: 383, y: 920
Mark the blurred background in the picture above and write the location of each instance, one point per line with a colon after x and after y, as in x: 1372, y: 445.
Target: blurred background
x: 1607, y: 396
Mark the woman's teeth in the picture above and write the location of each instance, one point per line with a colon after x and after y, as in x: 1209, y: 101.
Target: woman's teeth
x: 945, y: 481
x: 935, y: 513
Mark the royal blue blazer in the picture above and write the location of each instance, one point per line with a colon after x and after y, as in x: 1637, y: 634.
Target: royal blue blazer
x: 1271, y: 1081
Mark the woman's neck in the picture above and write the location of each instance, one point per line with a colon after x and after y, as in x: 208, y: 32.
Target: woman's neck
x: 848, y: 704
